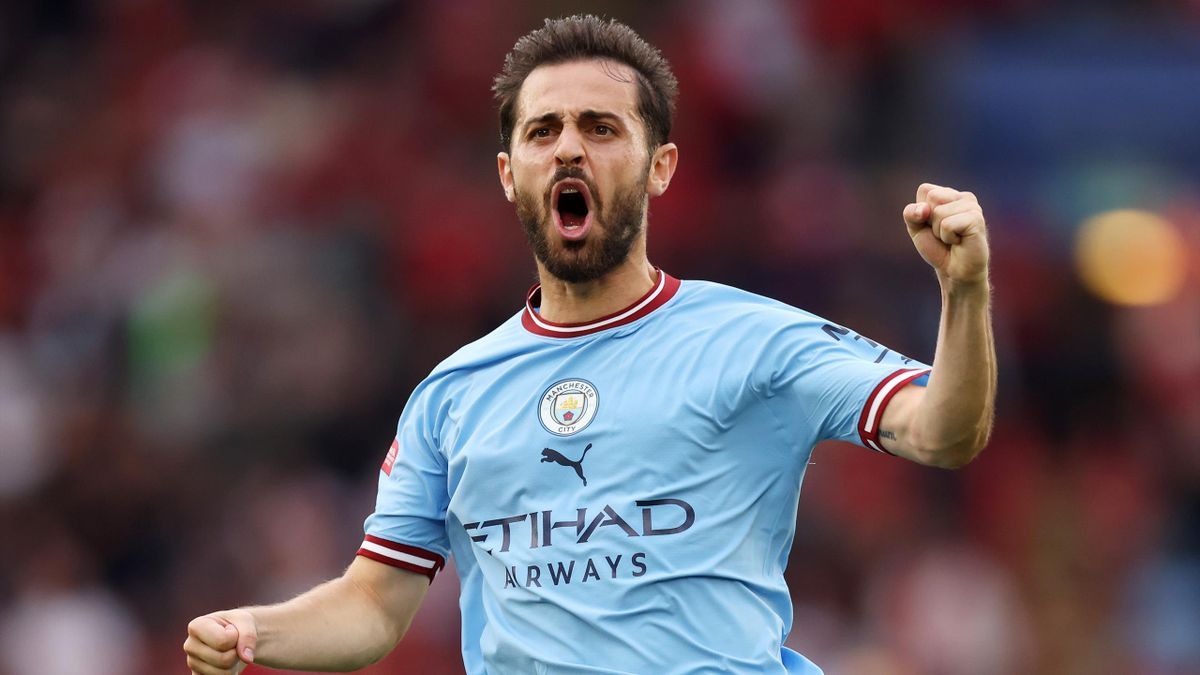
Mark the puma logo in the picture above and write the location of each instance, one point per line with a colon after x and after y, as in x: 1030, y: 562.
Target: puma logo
x: 552, y: 455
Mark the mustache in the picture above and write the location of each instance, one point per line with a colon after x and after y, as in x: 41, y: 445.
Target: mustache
x: 565, y: 172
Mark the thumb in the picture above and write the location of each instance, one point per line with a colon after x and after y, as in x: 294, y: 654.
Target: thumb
x: 246, y: 628
x: 247, y: 643
x: 916, y: 215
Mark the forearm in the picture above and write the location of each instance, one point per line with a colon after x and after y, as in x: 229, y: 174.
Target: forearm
x: 341, y: 625
x: 948, y: 422
x: 954, y: 417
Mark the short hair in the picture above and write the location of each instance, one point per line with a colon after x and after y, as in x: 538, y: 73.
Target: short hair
x: 583, y: 37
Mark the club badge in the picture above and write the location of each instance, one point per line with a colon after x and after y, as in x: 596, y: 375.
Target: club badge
x: 568, y: 406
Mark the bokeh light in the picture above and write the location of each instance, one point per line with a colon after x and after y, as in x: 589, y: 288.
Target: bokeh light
x: 1131, y: 257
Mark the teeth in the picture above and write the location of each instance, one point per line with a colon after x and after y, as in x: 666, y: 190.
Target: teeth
x: 569, y: 191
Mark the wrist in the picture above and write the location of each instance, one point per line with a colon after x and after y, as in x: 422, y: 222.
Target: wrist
x: 965, y: 288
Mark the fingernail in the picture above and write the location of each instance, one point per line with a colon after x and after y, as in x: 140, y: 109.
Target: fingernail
x: 249, y: 654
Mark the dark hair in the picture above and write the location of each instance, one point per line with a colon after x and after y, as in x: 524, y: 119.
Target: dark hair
x: 582, y: 37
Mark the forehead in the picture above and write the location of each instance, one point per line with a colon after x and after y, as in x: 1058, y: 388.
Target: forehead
x: 567, y: 88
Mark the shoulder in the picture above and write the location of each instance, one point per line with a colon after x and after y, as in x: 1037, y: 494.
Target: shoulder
x: 730, y: 308
x: 750, y: 328
x: 506, y: 340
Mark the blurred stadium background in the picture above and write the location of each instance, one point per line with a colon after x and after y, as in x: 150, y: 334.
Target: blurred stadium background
x: 233, y: 236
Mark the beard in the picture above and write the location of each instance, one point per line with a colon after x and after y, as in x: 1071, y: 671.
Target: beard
x: 615, y: 228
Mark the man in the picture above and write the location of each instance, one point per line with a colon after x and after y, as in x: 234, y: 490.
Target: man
x: 616, y: 468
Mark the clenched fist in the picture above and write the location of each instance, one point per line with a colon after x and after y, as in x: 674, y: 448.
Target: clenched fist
x: 948, y: 229
x: 221, y: 643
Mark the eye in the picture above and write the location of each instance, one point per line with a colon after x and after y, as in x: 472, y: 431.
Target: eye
x: 541, y: 132
x: 602, y: 130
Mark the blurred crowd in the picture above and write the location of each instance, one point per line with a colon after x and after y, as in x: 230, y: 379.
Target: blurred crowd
x: 233, y: 237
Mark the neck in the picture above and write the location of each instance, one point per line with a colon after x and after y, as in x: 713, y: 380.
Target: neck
x: 564, y: 302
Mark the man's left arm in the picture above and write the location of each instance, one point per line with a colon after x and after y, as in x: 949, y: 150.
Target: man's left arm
x: 947, y: 422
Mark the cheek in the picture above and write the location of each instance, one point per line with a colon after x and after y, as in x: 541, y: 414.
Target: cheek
x: 628, y: 178
x: 522, y: 184
x: 525, y: 176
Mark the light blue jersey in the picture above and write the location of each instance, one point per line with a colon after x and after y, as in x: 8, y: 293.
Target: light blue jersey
x: 620, y: 496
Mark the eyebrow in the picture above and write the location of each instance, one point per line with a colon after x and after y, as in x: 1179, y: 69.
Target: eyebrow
x: 584, y: 116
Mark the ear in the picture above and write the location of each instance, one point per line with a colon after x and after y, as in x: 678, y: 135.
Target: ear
x: 504, y: 166
x: 662, y: 167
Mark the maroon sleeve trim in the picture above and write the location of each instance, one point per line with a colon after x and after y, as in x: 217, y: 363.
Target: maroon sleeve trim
x: 881, y: 395
x: 405, y: 557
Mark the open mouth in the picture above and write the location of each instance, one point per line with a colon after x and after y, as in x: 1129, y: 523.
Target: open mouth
x: 571, y: 203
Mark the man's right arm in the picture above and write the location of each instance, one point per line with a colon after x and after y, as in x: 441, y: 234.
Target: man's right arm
x: 343, y: 624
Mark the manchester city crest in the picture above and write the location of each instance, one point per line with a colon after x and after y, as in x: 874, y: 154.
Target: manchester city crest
x: 568, y: 406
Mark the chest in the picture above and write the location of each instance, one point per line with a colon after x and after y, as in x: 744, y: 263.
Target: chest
x: 607, y: 429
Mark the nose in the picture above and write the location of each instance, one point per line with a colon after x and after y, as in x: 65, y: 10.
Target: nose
x: 569, y: 151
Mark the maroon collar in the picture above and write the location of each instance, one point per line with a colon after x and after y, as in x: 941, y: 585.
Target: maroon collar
x: 658, y: 296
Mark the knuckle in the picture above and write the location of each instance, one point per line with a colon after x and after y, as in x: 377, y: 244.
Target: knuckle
x: 198, y: 624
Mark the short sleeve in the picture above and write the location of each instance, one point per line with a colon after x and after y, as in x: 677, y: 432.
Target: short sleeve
x: 837, y: 381
x: 408, y: 528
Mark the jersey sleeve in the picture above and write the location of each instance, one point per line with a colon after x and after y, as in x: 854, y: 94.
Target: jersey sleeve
x: 408, y: 528
x: 836, y: 381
